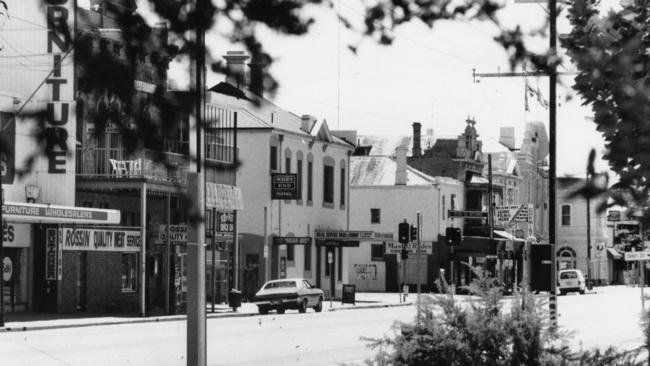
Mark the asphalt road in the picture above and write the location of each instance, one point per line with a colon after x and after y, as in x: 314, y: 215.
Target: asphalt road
x: 327, y: 338
x: 608, y: 317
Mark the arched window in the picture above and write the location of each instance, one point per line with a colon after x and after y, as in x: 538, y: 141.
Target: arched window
x: 566, y: 258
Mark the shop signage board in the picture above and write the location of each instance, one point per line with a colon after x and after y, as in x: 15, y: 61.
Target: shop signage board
x: 352, y: 235
x: 291, y: 240
x: 100, y: 240
x: 637, y: 256
x: 51, y: 254
x: 396, y: 247
x: 284, y: 186
x: 39, y: 213
x: 225, y: 223
x: 177, y: 234
x: 465, y: 214
x: 16, y: 235
x: 613, y: 215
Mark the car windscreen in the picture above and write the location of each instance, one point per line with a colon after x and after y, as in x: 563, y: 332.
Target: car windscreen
x: 280, y: 284
x: 568, y: 275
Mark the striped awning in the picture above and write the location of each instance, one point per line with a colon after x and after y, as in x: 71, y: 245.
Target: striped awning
x: 223, y: 197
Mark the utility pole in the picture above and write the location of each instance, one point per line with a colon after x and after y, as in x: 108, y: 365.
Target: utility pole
x: 552, y: 111
x: 196, y: 302
x: 417, y: 248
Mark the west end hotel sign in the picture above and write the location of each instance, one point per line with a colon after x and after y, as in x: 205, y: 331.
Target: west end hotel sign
x: 37, y: 75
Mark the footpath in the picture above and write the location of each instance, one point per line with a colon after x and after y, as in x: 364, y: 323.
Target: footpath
x: 18, y: 322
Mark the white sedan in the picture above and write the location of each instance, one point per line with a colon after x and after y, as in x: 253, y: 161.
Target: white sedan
x: 290, y: 293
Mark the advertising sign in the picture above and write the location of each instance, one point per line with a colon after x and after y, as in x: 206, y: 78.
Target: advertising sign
x: 177, y: 234
x: 637, y: 256
x: 26, y: 212
x: 225, y: 223
x: 101, y: 240
x: 51, y: 254
x: 292, y: 240
x: 16, y: 235
x: 284, y: 186
x: 471, y: 214
x: 514, y: 213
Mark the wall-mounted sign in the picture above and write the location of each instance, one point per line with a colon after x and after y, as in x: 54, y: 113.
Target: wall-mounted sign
x: 51, y: 254
x: 396, y: 247
x: 7, y: 269
x: 284, y: 186
x: 637, y: 256
x: 8, y: 160
x: 39, y: 213
x: 100, y: 240
x: 292, y: 240
x: 613, y: 215
x: 514, y: 213
x: 475, y: 214
x: 344, y: 235
x: 16, y: 235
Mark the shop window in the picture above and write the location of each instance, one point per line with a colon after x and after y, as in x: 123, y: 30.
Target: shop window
x: 444, y: 207
x: 310, y: 181
x: 339, y: 273
x: 299, y: 178
x: 566, y: 215
x: 287, y: 165
x: 375, y: 216
x: 129, y: 272
x: 377, y: 252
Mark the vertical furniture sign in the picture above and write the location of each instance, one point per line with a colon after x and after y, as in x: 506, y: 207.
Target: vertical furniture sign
x: 60, y: 129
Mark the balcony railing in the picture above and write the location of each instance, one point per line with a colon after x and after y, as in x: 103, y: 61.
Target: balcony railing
x: 115, y: 163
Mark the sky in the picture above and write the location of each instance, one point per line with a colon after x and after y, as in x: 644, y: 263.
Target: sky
x: 424, y: 76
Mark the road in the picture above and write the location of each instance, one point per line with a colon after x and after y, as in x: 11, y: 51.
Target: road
x: 291, y: 339
x: 608, y: 317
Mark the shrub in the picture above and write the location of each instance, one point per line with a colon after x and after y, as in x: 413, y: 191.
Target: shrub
x: 477, y: 331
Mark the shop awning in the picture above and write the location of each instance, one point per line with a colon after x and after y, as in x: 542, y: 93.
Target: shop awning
x: 55, y: 214
x: 506, y: 235
x: 613, y: 253
x: 223, y: 197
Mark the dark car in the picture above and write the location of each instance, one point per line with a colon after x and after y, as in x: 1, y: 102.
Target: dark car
x: 291, y: 293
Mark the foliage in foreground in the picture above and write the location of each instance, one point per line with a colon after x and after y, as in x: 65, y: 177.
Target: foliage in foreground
x: 479, y: 332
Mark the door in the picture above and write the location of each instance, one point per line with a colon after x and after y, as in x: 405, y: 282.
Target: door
x: 251, y: 276
x: 392, y: 284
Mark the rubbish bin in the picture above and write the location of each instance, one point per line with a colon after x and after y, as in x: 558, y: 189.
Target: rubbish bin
x: 234, y: 299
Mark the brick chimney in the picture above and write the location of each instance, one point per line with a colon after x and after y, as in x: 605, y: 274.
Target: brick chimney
x: 400, y: 160
x: 236, y: 72
x: 417, y: 139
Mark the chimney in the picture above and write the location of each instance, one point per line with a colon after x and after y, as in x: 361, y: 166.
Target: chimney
x: 236, y: 73
x: 257, y: 66
x: 400, y: 160
x: 417, y: 145
x: 307, y: 123
x: 507, y: 137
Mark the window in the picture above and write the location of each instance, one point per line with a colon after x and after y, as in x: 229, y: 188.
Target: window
x: 444, y: 207
x: 342, y: 187
x: 453, y: 202
x: 377, y: 252
x: 328, y: 184
x: 375, y: 216
x: 287, y: 165
x: 566, y: 215
x: 308, y: 257
x: 129, y: 272
x: 291, y: 253
x: 299, y: 176
x: 274, y: 158
x: 310, y: 181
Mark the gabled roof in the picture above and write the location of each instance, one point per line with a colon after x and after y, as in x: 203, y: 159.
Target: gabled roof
x: 380, y: 171
x: 385, y: 145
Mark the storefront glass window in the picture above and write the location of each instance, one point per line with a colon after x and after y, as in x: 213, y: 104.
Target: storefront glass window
x: 129, y: 272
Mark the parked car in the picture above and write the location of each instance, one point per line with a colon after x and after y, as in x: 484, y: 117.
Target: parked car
x: 290, y: 293
x: 571, y: 280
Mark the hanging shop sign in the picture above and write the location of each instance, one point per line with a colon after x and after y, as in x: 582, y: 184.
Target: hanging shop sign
x: 225, y: 224
x: 100, y: 240
x: 51, y: 254
x: 177, y: 234
x: 46, y: 214
x: 291, y: 240
x: 223, y: 197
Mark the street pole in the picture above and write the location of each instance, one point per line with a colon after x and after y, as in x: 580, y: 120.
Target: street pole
x: 552, y: 304
x: 196, y: 304
x: 417, y: 248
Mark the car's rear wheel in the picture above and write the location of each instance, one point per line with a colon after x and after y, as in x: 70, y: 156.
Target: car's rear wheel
x: 319, y: 307
x: 263, y: 310
x: 302, y: 308
x: 562, y: 292
x: 280, y: 310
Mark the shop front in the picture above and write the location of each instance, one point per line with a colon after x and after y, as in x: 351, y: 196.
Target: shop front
x: 17, y: 239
